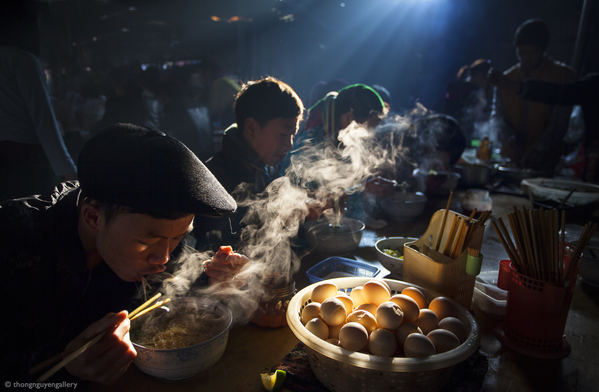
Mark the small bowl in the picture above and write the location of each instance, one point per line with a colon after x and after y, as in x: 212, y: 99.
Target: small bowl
x: 403, y: 206
x: 393, y: 264
x: 176, y: 364
x: 329, y: 240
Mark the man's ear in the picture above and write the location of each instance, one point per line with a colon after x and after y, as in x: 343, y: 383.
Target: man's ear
x: 250, y: 127
x: 93, y: 216
x: 346, y: 119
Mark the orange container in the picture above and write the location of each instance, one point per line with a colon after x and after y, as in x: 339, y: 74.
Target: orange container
x: 536, y: 315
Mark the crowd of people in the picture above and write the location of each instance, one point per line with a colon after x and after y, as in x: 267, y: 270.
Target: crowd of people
x: 76, y: 239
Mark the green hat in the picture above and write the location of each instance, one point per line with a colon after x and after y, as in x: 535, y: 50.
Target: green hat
x: 150, y: 172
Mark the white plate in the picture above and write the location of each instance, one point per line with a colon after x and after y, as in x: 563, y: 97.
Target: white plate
x: 557, y: 190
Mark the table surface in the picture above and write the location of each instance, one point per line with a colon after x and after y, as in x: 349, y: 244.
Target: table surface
x: 251, y: 349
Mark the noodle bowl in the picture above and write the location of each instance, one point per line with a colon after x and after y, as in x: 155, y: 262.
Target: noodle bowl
x: 183, y: 342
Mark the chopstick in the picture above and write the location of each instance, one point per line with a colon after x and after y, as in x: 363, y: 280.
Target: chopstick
x: 442, y: 228
x: 66, y: 357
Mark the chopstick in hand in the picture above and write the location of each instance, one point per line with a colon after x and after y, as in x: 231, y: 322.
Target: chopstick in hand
x: 67, y: 356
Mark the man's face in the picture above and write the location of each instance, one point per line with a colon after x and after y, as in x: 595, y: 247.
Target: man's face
x: 274, y: 140
x: 530, y: 56
x: 137, y: 244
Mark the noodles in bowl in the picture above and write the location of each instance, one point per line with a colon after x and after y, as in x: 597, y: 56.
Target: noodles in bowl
x: 180, y: 343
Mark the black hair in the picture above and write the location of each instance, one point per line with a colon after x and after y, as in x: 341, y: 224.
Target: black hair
x: 532, y: 32
x: 266, y: 99
x: 111, y: 210
x: 360, y: 99
x: 443, y: 132
x: 18, y: 25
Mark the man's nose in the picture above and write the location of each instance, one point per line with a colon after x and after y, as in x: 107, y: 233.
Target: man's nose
x: 160, y: 253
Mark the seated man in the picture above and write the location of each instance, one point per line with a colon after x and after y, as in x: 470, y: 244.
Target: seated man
x: 71, y: 261
x: 267, y: 113
x: 531, y: 132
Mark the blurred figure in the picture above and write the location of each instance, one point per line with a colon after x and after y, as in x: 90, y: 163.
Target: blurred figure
x: 531, y: 133
x: 468, y: 99
x: 31, y: 145
x: 583, y: 92
x: 322, y: 88
x: 218, y: 92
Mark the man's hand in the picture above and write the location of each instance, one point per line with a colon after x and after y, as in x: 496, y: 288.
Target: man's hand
x: 107, y: 360
x: 226, y: 265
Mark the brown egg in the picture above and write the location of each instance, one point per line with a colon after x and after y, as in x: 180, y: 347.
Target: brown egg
x: 427, y: 321
x: 375, y: 292
x: 333, y: 341
x: 347, y: 301
x: 382, y: 342
x: 363, y: 317
x: 334, y: 331
x: 389, y: 315
x: 406, y: 329
x: 312, y: 310
x: 443, y: 340
x: 357, y: 296
x: 415, y: 294
x: 367, y: 307
x: 410, y: 307
x: 418, y: 346
x: 323, y: 291
x: 442, y: 307
x: 333, y: 311
x: 454, y: 325
x: 318, y: 328
x: 353, y: 336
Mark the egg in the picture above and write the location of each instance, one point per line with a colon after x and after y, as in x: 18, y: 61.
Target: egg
x: 454, y: 325
x: 417, y: 346
x: 382, y: 342
x: 334, y: 331
x: 442, y: 307
x: 347, y: 301
x: 375, y: 292
x: 333, y: 341
x: 410, y: 307
x: 367, y: 307
x: 389, y: 315
x: 333, y: 311
x: 353, y: 336
x: 312, y: 310
x: 406, y: 329
x: 415, y: 294
x: 356, y: 296
x: 318, y: 328
x: 323, y: 291
x: 443, y: 340
x: 427, y: 321
x: 363, y: 317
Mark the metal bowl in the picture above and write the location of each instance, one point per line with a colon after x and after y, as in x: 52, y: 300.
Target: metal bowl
x: 331, y: 240
x: 474, y: 175
x: 515, y: 175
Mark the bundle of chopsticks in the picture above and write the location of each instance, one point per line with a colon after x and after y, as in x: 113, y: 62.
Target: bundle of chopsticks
x: 460, y: 233
x: 537, y: 250
x: 67, y: 356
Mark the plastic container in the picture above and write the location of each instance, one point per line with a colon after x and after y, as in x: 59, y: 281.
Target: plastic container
x: 340, y: 267
x: 487, y: 296
x: 341, y: 370
x: 448, y: 277
x: 536, y: 315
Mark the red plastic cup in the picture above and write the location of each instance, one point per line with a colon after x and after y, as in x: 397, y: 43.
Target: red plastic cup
x: 503, y: 280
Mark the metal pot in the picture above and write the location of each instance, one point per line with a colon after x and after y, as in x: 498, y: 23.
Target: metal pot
x: 515, y: 175
x: 474, y: 175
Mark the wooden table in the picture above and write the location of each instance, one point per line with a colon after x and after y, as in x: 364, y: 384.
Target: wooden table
x: 251, y: 349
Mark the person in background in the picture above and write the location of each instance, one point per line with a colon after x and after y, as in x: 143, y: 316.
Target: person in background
x: 531, y: 132
x: 72, y: 260
x: 468, y: 99
x: 32, y: 150
x: 267, y: 113
x: 322, y: 88
x: 583, y: 92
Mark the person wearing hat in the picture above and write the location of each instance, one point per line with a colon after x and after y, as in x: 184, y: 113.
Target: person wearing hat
x: 70, y: 260
x: 531, y: 133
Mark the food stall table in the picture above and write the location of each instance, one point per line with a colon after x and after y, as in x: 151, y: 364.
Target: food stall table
x: 251, y: 349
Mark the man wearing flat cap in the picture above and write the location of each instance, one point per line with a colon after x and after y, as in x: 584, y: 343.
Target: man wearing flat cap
x: 70, y: 260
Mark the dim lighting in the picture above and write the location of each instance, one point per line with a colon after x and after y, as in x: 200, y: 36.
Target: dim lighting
x: 95, y: 38
x: 74, y: 43
x: 342, y: 5
x: 287, y: 18
x: 125, y: 29
x: 132, y: 9
x: 88, y: 69
x: 215, y: 18
x: 234, y: 19
x: 144, y: 67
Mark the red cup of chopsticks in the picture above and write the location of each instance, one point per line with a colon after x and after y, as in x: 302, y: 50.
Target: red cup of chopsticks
x: 505, y: 273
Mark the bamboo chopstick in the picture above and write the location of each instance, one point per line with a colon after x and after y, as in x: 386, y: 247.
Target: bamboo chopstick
x: 456, y: 219
x: 66, y: 357
x: 443, y: 223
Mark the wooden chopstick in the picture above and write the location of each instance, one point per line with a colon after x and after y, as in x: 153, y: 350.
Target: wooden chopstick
x: 443, y: 223
x: 67, y: 356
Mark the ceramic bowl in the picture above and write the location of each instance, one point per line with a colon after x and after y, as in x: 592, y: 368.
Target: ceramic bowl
x: 186, y: 362
x: 393, y: 264
x: 329, y: 240
x: 403, y: 206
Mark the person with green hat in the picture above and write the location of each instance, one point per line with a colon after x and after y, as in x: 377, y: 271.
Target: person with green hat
x: 70, y: 261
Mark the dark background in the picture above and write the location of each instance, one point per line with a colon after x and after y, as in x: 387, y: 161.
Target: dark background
x: 411, y: 47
